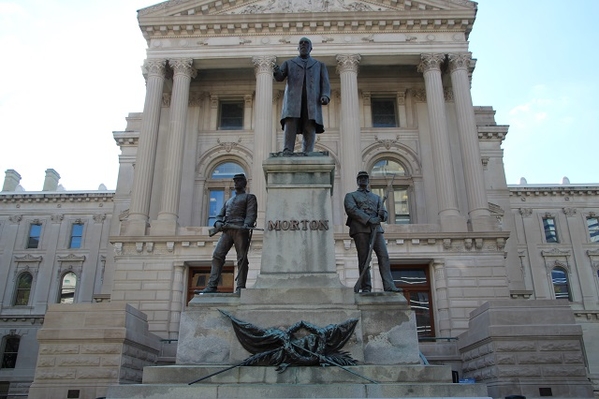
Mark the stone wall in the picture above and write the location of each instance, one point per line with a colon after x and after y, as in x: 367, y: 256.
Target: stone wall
x: 529, y: 348
x: 85, y: 348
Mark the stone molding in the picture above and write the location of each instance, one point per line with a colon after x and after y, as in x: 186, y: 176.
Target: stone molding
x: 553, y: 191
x: 348, y: 63
x: 223, y: 18
x: 431, y: 62
x: 220, y: 7
x: 126, y: 139
x: 264, y: 64
x: 58, y: 197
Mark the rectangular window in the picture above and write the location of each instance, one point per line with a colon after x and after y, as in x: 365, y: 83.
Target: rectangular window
x: 397, y: 204
x: 550, y: 229
x: 384, y: 112
x: 593, y: 225
x: 199, y: 276
x: 231, y: 115
x: 10, y: 351
x: 217, y: 200
x: 35, y: 232
x: 415, y: 282
x: 76, y: 235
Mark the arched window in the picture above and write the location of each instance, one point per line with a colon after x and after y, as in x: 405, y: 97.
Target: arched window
x: 23, y: 289
x: 10, y: 350
x: 561, y: 286
x: 220, y: 187
x: 388, y: 178
x: 67, y: 288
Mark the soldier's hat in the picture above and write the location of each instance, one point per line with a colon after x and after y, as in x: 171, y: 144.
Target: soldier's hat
x: 362, y: 173
x: 240, y: 176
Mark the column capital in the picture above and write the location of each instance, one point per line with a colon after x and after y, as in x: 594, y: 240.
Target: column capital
x: 264, y: 64
x: 155, y: 67
x: 459, y: 61
x: 348, y: 62
x: 183, y: 66
x: 430, y: 62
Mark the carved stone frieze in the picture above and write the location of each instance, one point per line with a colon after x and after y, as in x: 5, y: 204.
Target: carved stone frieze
x: 155, y: 67
x: 525, y: 212
x: 459, y: 61
x: 429, y: 62
x: 183, y: 66
x: 196, y: 99
x: 419, y: 95
x: 166, y: 100
x: 387, y: 143
x: 229, y: 145
x: 348, y: 63
x: 264, y: 64
x: 15, y: 219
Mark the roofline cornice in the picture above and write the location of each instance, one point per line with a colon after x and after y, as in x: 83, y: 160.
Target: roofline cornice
x: 55, y: 197
x: 307, y: 23
x: 554, y: 191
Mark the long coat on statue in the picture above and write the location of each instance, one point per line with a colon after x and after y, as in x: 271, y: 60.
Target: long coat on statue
x: 317, y: 85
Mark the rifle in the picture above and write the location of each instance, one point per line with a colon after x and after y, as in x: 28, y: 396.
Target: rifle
x: 216, y: 230
x: 366, y: 268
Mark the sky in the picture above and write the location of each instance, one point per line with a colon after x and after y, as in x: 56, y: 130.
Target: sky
x: 72, y: 73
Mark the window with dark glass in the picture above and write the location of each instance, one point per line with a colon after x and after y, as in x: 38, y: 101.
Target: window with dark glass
x: 388, y: 179
x: 231, y: 115
x: 68, y: 285
x: 76, y: 235
x: 199, y: 275
x: 550, y: 229
x: 561, y: 286
x: 10, y: 351
x: 35, y: 233
x: 593, y: 225
x: 384, y: 112
x: 23, y: 289
x: 220, y: 188
x: 415, y: 282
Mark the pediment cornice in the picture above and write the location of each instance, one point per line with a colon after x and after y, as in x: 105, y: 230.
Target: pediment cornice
x: 174, y: 8
x: 184, y: 18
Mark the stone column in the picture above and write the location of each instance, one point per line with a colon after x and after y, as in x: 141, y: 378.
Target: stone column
x: 478, y: 206
x: 141, y: 191
x: 171, y: 182
x: 449, y: 214
x: 349, y: 129
x: 263, y: 131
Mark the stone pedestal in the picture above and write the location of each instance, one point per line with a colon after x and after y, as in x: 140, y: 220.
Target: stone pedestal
x: 298, y: 281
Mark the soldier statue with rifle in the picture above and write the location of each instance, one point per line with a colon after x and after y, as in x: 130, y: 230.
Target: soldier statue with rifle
x: 365, y: 212
x: 236, y: 220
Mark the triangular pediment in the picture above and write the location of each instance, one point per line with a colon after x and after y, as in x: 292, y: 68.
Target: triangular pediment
x: 190, y: 8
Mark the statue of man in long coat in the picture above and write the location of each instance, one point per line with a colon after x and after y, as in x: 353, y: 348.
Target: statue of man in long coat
x: 307, y: 89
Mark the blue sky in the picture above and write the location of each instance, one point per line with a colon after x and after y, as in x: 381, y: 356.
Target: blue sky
x: 71, y: 74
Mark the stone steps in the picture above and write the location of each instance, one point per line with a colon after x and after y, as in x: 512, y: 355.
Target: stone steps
x: 336, y: 390
x: 394, y: 381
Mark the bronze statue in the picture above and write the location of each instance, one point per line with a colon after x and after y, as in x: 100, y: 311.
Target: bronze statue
x: 307, y: 89
x: 365, y: 212
x: 236, y: 220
